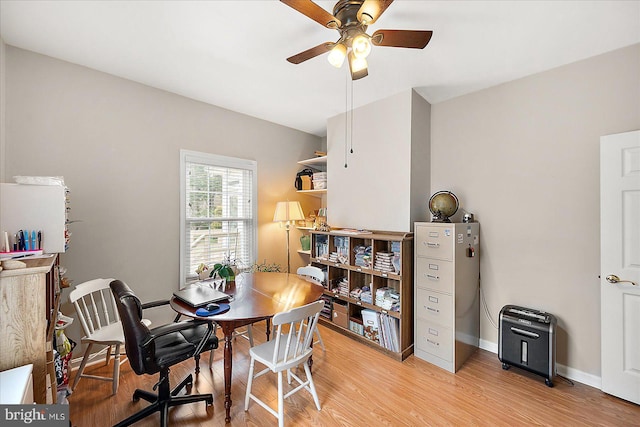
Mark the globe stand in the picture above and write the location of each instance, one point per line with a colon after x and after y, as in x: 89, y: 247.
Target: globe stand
x: 440, y: 217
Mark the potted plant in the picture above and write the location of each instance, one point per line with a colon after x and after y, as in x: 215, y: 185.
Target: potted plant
x: 227, y: 269
x: 224, y: 270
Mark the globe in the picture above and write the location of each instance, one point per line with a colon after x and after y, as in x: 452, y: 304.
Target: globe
x: 443, y: 205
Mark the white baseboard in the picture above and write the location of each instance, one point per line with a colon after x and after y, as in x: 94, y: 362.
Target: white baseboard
x: 489, y: 346
x: 565, y: 371
x: 94, y: 359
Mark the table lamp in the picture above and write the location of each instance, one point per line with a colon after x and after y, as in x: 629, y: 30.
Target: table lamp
x: 286, y: 214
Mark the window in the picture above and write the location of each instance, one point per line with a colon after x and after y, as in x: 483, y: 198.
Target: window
x: 218, y: 218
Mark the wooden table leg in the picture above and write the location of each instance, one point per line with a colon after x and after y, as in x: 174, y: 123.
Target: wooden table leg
x: 228, y: 361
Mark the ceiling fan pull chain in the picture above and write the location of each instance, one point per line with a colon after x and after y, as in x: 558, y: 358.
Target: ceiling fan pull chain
x: 352, y: 116
x: 346, y: 115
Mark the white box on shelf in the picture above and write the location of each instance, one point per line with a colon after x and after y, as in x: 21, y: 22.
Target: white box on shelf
x: 370, y: 324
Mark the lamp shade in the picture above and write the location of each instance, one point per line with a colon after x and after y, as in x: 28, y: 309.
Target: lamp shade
x: 288, y: 211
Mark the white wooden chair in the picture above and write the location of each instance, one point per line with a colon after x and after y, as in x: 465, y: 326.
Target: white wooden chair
x: 314, y: 275
x: 289, y: 347
x: 98, y: 315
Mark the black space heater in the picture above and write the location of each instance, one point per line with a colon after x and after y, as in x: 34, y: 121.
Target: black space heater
x: 527, y: 340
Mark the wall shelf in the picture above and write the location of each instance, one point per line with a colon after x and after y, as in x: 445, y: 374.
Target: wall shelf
x: 315, y: 193
x: 316, y: 162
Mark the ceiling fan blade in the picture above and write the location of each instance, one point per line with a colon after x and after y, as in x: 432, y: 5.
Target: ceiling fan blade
x: 311, y: 53
x: 415, y: 39
x: 371, y: 10
x: 313, y: 11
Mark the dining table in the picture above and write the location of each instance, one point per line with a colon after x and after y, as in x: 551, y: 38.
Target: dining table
x: 253, y: 297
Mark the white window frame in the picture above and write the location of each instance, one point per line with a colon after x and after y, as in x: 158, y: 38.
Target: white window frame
x: 187, y: 156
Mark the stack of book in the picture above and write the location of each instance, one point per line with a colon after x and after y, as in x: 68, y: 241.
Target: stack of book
x: 342, y: 287
x: 326, y: 310
x: 366, y: 295
x: 388, y: 299
x: 384, y: 262
x: 363, y: 256
x: 395, y: 248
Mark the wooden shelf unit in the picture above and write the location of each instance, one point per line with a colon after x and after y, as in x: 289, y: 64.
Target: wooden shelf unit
x: 346, y: 308
x: 30, y: 298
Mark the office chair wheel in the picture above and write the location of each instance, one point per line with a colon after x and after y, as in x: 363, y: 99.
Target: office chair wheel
x: 548, y: 382
x: 505, y: 366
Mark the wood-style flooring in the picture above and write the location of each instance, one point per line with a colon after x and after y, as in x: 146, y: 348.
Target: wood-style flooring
x: 359, y: 386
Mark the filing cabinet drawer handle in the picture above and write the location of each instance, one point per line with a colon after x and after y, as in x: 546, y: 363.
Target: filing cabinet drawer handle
x: 432, y: 342
x: 432, y: 277
x: 435, y: 310
x: 433, y: 245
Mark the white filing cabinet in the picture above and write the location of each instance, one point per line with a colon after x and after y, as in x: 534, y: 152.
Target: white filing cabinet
x: 447, y: 303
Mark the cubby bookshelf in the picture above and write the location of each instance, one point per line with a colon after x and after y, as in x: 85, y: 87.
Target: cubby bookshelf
x: 380, y: 260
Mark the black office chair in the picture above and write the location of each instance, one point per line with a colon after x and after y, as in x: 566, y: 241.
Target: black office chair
x: 154, y: 350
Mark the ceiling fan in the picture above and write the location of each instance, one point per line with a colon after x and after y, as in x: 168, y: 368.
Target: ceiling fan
x: 351, y: 18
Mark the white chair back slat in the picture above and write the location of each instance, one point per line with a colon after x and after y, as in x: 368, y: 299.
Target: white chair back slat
x: 96, y: 316
x: 105, y: 307
x: 83, y: 322
x: 87, y: 315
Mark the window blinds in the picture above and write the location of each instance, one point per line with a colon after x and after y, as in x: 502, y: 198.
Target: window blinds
x: 219, y: 214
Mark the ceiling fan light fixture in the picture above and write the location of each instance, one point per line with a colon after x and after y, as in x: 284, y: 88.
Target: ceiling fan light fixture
x: 365, y: 19
x: 337, y: 55
x: 358, y: 67
x: 361, y: 45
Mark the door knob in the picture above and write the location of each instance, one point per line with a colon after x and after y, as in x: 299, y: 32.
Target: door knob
x: 612, y: 278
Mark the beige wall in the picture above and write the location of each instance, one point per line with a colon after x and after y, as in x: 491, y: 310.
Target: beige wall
x: 524, y: 157
x: 420, y: 159
x: 117, y: 144
x: 382, y: 188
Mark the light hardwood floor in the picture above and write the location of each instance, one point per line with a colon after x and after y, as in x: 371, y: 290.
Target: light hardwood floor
x: 359, y: 386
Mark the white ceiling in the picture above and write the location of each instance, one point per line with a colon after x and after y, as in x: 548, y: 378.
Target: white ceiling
x: 232, y: 53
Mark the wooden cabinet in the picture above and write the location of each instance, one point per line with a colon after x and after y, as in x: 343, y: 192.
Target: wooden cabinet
x: 447, y: 307
x: 27, y: 321
x: 368, y: 287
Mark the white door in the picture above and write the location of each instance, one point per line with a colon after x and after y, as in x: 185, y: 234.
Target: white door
x: 620, y: 264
